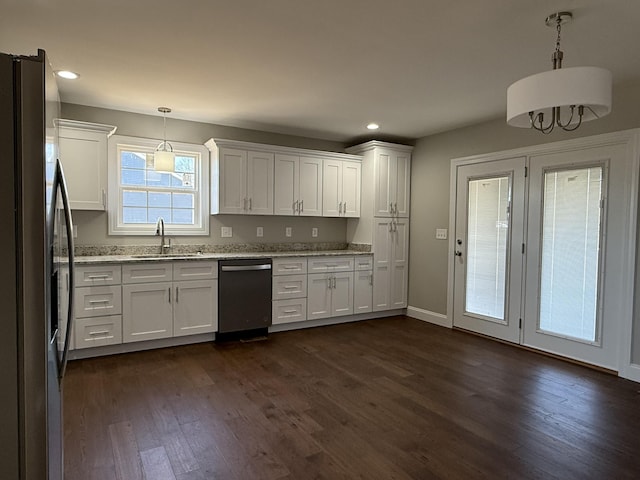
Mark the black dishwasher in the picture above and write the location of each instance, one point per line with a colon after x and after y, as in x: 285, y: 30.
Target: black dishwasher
x: 244, y: 297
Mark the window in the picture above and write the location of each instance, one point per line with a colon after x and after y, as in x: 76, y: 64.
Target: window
x: 139, y: 195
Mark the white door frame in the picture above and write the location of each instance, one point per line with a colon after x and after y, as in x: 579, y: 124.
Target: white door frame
x: 632, y: 140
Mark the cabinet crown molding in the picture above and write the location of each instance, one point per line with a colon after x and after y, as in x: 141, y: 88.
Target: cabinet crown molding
x: 214, y: 143
x: 78, y: 125
x: 370, y: 145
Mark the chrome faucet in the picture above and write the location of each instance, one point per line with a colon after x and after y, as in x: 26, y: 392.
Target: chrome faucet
x: 160, y: 231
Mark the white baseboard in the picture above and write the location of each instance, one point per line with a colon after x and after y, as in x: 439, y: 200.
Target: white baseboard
x: 323, y: 322
x: 427, y: 316
x: 631, y: 372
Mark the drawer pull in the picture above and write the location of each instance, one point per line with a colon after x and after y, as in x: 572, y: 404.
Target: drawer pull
x: 290, y: 267
x: 99, y: 332
x: 93, y: 302
x: 96, y: 277
x: 290, y: 287
x: 290, y: 311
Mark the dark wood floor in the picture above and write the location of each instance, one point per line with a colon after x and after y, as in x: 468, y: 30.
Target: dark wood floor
x: 392, y: 398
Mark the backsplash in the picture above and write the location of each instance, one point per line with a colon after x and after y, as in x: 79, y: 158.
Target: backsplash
x: 100, y: 250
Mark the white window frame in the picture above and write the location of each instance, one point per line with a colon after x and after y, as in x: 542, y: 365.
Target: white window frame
x: 118, y: 227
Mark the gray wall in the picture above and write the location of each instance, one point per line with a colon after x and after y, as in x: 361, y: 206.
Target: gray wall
x: 430, y: 171
x: 92, y: 226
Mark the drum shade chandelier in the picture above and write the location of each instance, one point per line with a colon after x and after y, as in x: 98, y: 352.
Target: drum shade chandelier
x: 562, y: 97
x: 164, y: 157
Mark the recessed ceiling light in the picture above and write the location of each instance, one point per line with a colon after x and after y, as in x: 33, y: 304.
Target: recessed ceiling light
x: 68, y: 74
x: 373, y: 126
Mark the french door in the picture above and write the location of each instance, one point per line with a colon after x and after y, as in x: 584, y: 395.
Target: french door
x: 537, y: 258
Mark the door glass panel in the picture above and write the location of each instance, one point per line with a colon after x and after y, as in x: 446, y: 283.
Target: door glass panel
x: 570, y: 252
x: 487, y: 242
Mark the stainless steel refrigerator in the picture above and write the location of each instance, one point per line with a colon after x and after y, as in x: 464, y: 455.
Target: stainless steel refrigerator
x: 36, y: 271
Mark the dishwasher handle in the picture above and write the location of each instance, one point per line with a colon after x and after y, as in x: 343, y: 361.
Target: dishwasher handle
x: 244, y: 268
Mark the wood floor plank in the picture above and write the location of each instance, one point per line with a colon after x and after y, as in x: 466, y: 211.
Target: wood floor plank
x: 387, y: 398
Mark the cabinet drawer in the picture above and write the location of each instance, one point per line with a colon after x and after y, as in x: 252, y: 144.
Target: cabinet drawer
x: 200, y: 270
x: 89, y: 275
x: 98, y: 301
x: 364, y: 263
x: 289, y: 286
x: 146, y: 273
x: 330, y: 264
x: 288, y: 311
x: 288, y: 266
x: 98, y: 331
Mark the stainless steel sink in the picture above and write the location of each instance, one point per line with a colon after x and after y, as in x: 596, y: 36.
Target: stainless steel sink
x: 166, y: 255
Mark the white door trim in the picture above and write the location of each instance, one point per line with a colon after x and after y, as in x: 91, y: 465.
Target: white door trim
x: 632, y: 139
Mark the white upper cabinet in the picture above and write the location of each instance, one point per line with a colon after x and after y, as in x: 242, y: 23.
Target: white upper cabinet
x: 241, y: 181
x: 83, y: 153
x: 341, y: 188
x: 259, y: 179
x: 298, y: 185
x: 392, y: 183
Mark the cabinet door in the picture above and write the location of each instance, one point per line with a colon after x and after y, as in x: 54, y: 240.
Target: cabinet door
x: 318, y: 296
x: 331, y: 188
x: 147, y: 311
x: 402, y: 173
x: 232, y: 181
x: 84, y: 157
x: 363, y: 291
x: 384, y: 186
x: 286, y: 184
x: 382, y: 265
x: 351, y: 174
x: 260, y: 167
x: 342, y: 294
x: 195, y: 309
x: 310, y: 187
x: 399, y: 263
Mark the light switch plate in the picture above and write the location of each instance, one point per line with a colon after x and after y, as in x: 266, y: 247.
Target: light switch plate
x: 314, y: 232
x: 259, y: 232
x: 287, y: 231
x: 226, y: 232
x: 441, y: 233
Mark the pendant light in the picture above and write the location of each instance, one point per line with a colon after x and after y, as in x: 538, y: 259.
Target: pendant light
x: 562, y: 97
x: 164, y: 158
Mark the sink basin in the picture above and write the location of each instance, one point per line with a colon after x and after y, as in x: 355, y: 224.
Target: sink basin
x: 166, y: 255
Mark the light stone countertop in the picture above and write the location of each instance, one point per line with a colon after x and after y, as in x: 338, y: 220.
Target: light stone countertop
x: 106, y: 259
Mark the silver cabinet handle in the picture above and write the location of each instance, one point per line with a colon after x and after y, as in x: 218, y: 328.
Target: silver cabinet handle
x: 344, y: 208
x: 104, y: 198
x: 177, y: 294
x: 290, y: 287
x: 244, y: 204
x: 301, y: 206
x: 328, y: 282
x: 295, y: 206
x: 96, y: 277
x: 334, y: 281
x: 169, y: 294
x: 339, y: 208
x: 390, y: 227
x: 93, y: 302
x: 289, y: 311
x: 99, y: 332
x: 250, y: 204
x: 371, y: 279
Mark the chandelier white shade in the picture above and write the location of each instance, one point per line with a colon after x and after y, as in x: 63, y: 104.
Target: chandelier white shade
x: 586, y: 86
x: 163, y: 157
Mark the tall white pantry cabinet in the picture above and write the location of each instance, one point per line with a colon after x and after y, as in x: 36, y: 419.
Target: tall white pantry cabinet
x: 384, y: 219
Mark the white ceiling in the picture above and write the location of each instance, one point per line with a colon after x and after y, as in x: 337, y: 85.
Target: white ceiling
x: 322, y: 68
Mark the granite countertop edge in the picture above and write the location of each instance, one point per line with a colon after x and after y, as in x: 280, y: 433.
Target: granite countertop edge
x: 97, y: 259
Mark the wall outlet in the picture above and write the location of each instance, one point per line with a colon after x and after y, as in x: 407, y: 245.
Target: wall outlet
x: 259, y: 232
x: 314, y: 232
x: 441, y: 233
x: 287, y: 231
x: 226, y: 232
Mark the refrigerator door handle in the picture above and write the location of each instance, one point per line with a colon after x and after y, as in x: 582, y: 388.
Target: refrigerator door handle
x: 62, y: 184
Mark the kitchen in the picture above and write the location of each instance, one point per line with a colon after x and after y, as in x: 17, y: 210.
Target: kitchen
x: 430, y: 175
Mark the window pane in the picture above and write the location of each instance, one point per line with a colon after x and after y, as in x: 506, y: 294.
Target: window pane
x: 159, y: 199
x: 488, y: 231
x: 183, y: 200
x: 182, y: 180
x: 182, y: 216
x: 134, y: 198
x: 132, y: 177
x: 570, y: 252
x: 185, y: 164
x: 132, y: 160
x: 134, y: 215
x: 155, y: 213
x: 157, y: 179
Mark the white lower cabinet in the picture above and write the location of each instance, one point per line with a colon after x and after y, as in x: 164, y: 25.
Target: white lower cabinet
x: 98, y: 331
x: 329, y: 294
x: 363, y: 291
x: 165, y: 309
x: 289, y: 311
x: 289, y: 290
x: 195, y: 309
x: 391, y: 265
